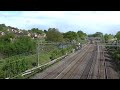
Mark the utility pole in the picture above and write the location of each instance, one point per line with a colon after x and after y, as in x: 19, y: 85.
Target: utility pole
x: 38, y: 47
x: 103, y: 39
x: 117, y: 44
x: 39, y: 44
x: 62, y: 48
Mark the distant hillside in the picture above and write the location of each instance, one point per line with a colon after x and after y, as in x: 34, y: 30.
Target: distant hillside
x: 33, y: 33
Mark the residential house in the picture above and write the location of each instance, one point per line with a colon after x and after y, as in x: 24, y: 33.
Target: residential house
x: 34, y: 35
x: 42, y: 35
x: 2, y: 33
x: 29, y: 34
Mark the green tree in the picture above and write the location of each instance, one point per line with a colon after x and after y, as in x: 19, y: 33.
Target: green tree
x: 118, y: 35
x: 7, y: 38
x: 45, y: 31
x: 108, y: 37
x: 3, y: 27
x: 54, y: 35
x: 98, y: 34
x: 20, y: 45
x: 70, y: 36
x: 36, y: 30
x: 24, y: 44
x: 82, y: 35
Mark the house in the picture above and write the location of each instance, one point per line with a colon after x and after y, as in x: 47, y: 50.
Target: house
x: 12, y: 29
x: 20, y: 31
x: 41, y: 35
x: 2, y: 33
x: 29, y: 34
x: 15, y: 31
x: 34, y: 35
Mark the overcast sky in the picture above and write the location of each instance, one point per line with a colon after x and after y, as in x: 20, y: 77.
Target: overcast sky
x: 87, y: 21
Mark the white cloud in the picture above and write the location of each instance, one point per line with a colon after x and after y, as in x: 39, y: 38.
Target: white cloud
x: 50, y: 14
x: 89, y: 21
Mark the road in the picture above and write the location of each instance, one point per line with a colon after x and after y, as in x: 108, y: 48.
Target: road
x: 91, y: 62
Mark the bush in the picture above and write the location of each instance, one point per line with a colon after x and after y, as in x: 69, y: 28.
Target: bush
x: 1, y: 74
x: 115, y: 54
x: 20, y: 45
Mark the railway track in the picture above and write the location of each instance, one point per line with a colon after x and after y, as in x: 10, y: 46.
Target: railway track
x: 55, y: 70
x: 88, y: 63
x: 86, y: 73
x: 68, y: 63
x: 92, y: 69
x: 103, y: 74
x: 69, y: 71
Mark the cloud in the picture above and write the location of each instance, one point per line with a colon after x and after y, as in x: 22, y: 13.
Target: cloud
x: 88, y: 21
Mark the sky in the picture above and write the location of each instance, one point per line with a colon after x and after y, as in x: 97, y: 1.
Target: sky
x: 87, y: 21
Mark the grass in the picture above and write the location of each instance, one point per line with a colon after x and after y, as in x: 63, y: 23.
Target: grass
x: 44, y: 58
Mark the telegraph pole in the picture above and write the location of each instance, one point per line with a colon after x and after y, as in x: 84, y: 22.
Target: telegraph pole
x: 39, y: 44
x: 117, y: 44
x: 103, y: 39
x: 38, y: 47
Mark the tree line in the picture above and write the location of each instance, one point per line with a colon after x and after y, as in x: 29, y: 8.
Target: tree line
x: 10, y: 44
